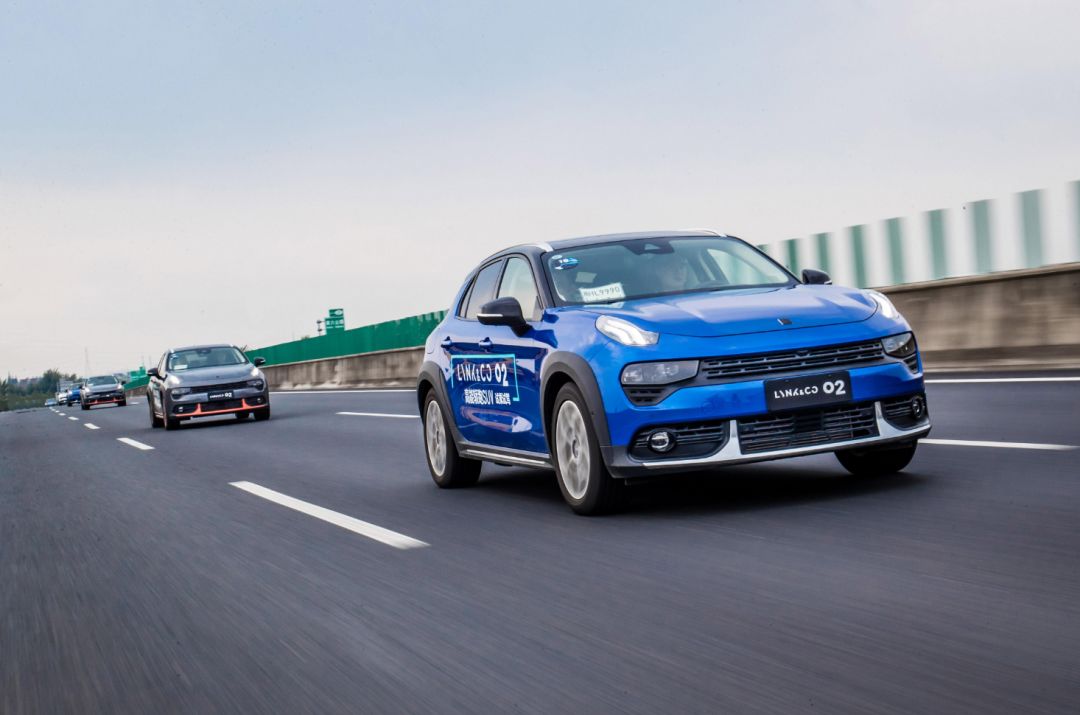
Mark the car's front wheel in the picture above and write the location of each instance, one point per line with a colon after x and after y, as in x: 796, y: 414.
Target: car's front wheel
x: 877, y: 461
x: 448, y: 468
x: 155, y: 421
x: 263, y: 414
x: 584, y: 480
x: 83, y: 405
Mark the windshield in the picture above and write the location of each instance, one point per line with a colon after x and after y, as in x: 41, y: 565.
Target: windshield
x: 205, y: 357
x: 646, y: 267
x: 101, y: 380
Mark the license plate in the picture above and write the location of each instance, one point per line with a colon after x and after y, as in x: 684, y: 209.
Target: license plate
x: 794, y: 392
x: 219, y: 395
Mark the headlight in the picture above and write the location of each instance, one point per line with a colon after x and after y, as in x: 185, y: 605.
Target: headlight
x: 257, y: 384
x: 625, y: 332
x: 659, y: 373
x: 901, y: 346
x: 884, y: 305
x: 179, y: 391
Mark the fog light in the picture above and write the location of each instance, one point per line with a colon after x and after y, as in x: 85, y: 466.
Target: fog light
x: 918, y: 406
x: 661, y: 441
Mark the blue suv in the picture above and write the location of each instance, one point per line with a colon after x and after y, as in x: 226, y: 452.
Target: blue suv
x: 610, y: 358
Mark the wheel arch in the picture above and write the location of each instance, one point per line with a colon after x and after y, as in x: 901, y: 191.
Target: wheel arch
x: 561, y: 368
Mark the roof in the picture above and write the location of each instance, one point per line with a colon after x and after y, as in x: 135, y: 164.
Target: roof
x: 564, y: 243
x: 199, y: 347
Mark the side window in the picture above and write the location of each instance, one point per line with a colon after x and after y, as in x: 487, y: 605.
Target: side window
x: 483, y: 289
x: 517, y: 282
x: 161, y: 364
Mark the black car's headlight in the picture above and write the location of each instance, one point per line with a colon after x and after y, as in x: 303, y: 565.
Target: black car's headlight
x: 257, y: 384
x: 901, y: 346
x: 659, y: 373
x: 179, y: 391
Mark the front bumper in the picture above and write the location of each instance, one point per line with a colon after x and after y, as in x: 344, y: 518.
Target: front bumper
x: 881, y: 432
x: 103, y: 398
x: 199, y: 405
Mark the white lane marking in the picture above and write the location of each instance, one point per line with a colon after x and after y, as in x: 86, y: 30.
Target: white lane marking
x: 76, y: 419
x: 972, y: 380
x: 87, y: 425
x: 371, y: 531
x: 338, y: 392
x: 134, y: 403
x: 1003, y: 445
x: 133, y: 443
x: 61, y: 413
x: 380, y: 414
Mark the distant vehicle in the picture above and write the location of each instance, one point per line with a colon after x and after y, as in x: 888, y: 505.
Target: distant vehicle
x: 205, y: 381
x: 102, y: 390
x: 51, y: 402
x: 73, y: 395
x: 61, y: 397
x: 616, y: 357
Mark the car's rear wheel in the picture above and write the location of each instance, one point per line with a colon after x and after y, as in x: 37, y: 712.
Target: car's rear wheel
x: 878, y: 461
x: 263, y: 414
x: 155, y: 421
x: 584, y: 480
x: 448, y: 468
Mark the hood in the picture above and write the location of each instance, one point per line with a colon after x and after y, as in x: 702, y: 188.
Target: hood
x: 104, y: 388
x: 737, y: 312
x: 214, y: 375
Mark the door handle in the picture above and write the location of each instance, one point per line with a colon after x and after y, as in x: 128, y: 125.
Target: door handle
x: 485, y: 343
x: 447, y: 342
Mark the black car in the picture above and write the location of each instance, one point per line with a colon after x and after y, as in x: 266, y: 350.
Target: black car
x: 206, y: 381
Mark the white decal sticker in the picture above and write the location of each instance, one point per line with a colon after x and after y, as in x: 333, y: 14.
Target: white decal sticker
x: 612, y: 291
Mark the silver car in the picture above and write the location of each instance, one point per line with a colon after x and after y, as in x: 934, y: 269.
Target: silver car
x: 206, y: 381
x: 102, y: 390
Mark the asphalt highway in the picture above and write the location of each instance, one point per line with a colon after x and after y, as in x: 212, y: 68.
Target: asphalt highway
x: 309, y: 564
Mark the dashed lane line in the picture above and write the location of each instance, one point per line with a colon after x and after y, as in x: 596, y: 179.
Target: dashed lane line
x: 134, y: 443
x: 1001, y: 445
x: 75, y: 419
x: 380, y: 414
x: 364, y: 528
x: 88, y: 425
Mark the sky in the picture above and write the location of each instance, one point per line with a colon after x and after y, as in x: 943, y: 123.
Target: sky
x: 175, y: 173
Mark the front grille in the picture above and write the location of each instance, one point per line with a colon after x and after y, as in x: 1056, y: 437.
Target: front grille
x: 833, y: 356
x: 899, y: 413
x: 691, y: 440
x: 807, y: 428
x: 223, y: 386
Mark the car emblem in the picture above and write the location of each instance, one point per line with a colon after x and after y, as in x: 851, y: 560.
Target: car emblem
x: 784, y: 321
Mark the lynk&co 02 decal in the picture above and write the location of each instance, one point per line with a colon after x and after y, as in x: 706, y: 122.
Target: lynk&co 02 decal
x: 486, y: 380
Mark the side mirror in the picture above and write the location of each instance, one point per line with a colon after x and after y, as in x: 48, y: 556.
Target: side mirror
x: 259, y: 361
x: 812, y: 277
x: 503, y: 311
x: 152, y: 372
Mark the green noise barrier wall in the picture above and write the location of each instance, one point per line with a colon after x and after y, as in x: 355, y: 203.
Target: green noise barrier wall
x: 392, y: 335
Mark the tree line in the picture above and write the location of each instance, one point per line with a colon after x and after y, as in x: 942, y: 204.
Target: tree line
x: 33, y: 393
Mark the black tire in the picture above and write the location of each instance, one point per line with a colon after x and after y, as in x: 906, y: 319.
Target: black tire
x: 600, y: 493
x: 441, y: 450
x: 242, y: 415
x: 84, y: 406
x: 122, y: 403
x: 155, y: 421
x: 876, y: 462
x: 171, y: 423
x: 262, y: 414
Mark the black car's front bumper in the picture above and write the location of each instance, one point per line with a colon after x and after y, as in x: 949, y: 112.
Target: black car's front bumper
x: 198, y: 404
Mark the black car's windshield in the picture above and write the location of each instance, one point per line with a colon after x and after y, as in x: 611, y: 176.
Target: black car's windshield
x: 204, y: 357
x: 101, y: 380
x: 646, y: 267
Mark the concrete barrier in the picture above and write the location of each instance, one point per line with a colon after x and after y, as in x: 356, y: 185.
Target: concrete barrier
x: 385, y: 368
x: 1026, y: 319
